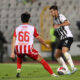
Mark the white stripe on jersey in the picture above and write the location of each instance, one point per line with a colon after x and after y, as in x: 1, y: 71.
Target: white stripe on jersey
x: 26, y: 48
x: 64, y: 31
x: 19, y: 49
x: 22, y: 49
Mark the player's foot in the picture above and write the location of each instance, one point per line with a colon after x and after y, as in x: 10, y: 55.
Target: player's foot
x: 18, y: 75
x: 68, y: 72
x: 54, y: 75
x: 74, y: 70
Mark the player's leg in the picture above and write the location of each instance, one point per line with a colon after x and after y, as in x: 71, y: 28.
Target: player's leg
x: 68, y: 58
x: 60, y: 60
x: 39, y: 58
x: 45, y: 65
x: 19, y: 62
x: 65, y: 48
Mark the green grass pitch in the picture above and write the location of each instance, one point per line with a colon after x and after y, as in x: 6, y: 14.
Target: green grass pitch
x: 32, y: 71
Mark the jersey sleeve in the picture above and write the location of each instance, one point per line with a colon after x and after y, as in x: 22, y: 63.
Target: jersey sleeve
x: 62, y: 18
x: 14, y: 34
x: 35, y: 32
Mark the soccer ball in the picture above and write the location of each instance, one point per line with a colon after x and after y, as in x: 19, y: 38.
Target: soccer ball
x: 61, y: 71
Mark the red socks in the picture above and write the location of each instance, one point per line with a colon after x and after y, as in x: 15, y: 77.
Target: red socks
x: 19, y: 62
x: 43, y: 62
x: 46, y: 66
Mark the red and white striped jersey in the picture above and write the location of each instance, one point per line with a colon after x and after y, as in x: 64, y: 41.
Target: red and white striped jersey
x: 24, y: 34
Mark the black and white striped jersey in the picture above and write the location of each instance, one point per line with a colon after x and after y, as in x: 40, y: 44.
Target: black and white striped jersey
x: 62, y: 32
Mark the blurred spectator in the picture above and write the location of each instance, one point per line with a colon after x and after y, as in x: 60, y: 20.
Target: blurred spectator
x: 53, y: 42
x: 2, y: 41
x: 25, y: 1
x: 78, y: 24
x: 19, y: 0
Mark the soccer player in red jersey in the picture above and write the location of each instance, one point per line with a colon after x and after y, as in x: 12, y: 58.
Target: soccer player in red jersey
x: 22, y: 44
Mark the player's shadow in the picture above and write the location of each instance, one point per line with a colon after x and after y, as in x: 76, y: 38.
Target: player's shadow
x: 22, y: 77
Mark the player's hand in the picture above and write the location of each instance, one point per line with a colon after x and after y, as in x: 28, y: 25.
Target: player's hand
x: 56, y: 26
x: 12, y: 55
x: 47, y: 46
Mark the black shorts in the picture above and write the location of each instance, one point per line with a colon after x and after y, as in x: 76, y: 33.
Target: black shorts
x: 65, y: 43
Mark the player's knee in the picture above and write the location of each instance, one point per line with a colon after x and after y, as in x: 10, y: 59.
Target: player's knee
x: 55, y: 55
x: 64, y: 49
x: 39, y: 58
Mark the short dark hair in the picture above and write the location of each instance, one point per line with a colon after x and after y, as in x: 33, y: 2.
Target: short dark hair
x: 25, y: 17
x: 54, y: 7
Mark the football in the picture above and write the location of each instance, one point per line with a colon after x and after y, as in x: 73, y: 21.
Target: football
x: 61, y: 71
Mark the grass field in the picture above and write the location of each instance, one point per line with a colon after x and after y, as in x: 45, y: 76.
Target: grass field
x: 32, y: 71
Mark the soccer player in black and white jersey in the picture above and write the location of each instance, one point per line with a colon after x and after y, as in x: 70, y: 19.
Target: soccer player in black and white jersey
x: 62, y: 31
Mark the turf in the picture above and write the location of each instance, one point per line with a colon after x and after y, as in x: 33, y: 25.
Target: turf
x: 32, y: 71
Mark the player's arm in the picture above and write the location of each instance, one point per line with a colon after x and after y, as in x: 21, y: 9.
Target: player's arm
x: 41, y: 40
x: 13, y: 46
x: 65, y: 23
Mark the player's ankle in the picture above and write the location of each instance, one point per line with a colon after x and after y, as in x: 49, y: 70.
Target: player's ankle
x: 18, y: 70
x: 53, y: 74
x: 73, y: 68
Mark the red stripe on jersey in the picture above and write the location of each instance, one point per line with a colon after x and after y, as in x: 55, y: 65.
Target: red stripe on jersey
x: 16, y: 48
x: 24, y: 49
x: 29, y: 47
x: 20, y: 49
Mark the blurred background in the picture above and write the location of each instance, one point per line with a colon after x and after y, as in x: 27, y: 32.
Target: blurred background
x: 10, y: 11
